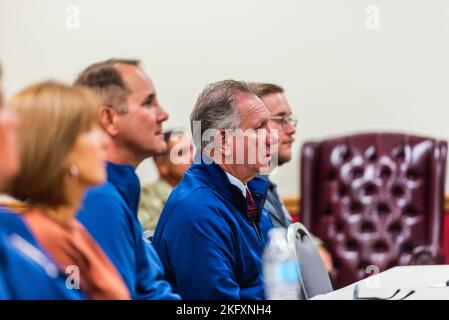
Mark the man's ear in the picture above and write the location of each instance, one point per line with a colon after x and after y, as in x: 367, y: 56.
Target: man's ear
x: 223, y: 142
x: 108, y: 119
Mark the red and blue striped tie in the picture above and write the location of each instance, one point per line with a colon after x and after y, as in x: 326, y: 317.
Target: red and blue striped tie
x: 251, y: 207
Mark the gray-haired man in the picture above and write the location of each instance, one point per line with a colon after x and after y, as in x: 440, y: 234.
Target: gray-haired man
x: 213, y: 229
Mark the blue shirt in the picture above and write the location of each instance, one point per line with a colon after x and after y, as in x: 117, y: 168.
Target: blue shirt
x: 109, y: 213
x: 208, y: 246
x: 26, y: 271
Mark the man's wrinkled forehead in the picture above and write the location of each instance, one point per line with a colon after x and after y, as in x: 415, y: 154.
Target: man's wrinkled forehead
x: 248, y: 102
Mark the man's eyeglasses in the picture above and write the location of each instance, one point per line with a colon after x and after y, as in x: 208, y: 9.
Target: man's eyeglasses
x: 285, y: 119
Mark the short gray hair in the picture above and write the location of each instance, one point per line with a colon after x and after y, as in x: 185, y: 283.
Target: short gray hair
x: 215, y: 108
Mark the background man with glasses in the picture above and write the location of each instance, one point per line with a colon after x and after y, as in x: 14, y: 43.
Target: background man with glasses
x: 285, y: 123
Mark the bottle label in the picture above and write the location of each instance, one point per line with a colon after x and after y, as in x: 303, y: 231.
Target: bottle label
x: 288, y: 272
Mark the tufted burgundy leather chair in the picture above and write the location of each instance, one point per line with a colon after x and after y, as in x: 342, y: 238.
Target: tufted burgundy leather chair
x: 375, y: 200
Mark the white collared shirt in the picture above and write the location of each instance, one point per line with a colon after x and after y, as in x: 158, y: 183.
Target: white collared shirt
x: 236, y: 182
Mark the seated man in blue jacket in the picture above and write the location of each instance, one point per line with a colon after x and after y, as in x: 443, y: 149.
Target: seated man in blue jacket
x: 132, y: 117
x: 213, y: 229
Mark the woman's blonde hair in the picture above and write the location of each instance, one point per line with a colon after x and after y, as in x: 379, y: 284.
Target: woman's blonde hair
x: 52, y: 115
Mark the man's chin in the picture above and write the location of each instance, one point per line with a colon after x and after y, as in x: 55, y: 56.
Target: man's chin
x: 264, y: 167
x: 284, y: 158
x: 160, y: 148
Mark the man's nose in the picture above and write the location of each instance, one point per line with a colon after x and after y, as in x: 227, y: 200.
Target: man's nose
x: 290, y: 129
x: 163, y: 115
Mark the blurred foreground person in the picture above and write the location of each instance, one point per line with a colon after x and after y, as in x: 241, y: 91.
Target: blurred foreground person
x: 9, y: 164
x: 61, y: 156
x: 25, y: 271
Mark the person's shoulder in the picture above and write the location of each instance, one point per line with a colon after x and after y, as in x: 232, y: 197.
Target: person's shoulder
x: 159, y: 190
x: 200, y: 204
x: 105, y: 195
x: 35, y: 274
x: 8, y: 213
x: 103, y: 203
x: 152, y: 186
x: 105, y: 189
x: 198, y: 197
x: 11, y: 221
x: 148, y: 189
x: 7, y: 216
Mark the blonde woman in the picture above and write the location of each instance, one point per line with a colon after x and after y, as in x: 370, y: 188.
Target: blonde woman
x: 26, y: 272
x: 62, y: 154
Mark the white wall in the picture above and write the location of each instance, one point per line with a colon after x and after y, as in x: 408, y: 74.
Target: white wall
x: 339, y: 75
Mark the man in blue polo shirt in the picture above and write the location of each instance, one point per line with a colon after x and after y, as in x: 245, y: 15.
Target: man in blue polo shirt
x: 132, y: 117
x: 213, y: 229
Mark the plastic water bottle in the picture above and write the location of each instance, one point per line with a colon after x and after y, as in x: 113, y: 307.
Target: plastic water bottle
x: 282, y: 278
